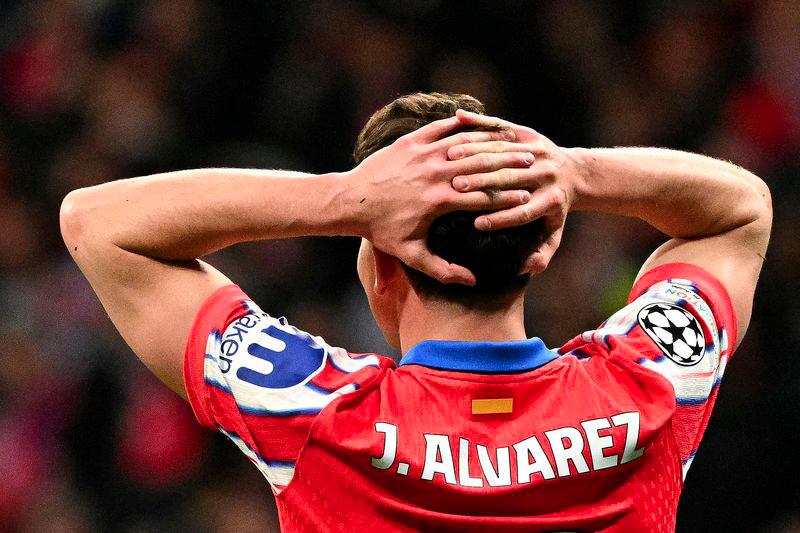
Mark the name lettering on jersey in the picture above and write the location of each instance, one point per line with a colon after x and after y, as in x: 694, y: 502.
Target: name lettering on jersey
x: 560, y: 452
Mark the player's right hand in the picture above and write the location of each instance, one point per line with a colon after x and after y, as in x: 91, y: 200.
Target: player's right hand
x: 551, y: 181
x: 401, y: 189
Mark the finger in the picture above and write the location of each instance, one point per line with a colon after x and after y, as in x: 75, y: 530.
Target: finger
x: 483, y: 163
x: 539, y: 260
x: 439, y: 269
x: 468, y: 137
x: 461, y: 151
x: 504, y: 178
x: 435, y: 130
x: 542, y: 203
x: 469, y: 118
x: 488, y: 200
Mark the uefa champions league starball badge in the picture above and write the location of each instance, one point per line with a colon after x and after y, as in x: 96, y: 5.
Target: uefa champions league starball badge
x: 676, y: 331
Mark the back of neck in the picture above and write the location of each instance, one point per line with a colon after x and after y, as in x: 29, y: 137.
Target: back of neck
x: 422, y: 321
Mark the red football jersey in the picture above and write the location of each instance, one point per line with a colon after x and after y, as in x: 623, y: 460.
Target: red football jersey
x: 463, y: 436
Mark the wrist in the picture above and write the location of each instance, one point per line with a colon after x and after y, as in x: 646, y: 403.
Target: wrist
x: 582, y: 159
x: 348, y: 203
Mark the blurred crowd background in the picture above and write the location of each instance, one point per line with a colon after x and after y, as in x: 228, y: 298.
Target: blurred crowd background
x: 97, y: 90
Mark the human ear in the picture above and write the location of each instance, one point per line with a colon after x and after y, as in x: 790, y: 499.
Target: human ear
x: 386, y: 270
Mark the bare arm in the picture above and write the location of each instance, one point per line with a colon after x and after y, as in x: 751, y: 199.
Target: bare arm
x: 718, y: 215
x: 138, y: 241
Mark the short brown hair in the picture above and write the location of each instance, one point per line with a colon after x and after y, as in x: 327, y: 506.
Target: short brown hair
x: 495, y: 257
x: 406, y: 114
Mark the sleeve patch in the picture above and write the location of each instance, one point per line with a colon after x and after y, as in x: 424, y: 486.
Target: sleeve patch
x: 262, y: 352
x: 676, y: 332
x: 271, y: 368
x: 285, y: 359
x: 679, y: 323
x: 261, y: 381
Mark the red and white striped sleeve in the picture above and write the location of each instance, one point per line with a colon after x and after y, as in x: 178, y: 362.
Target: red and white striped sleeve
x: 680, y: 323
x: 262, y: 382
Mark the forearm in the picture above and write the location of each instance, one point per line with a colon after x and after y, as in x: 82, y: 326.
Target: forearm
x: 684, y: 195
x: 187, y: 214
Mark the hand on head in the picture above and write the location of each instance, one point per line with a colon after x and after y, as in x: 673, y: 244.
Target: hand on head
x: 550, y: 180
x: 402, y: 188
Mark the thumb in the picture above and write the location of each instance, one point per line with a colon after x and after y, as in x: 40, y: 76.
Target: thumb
x: 439, y: 269
x: 539, y: 260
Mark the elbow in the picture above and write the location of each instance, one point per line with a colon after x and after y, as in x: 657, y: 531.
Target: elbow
x: 764, y: 196
x: 762, y: 201
x: 760, y: 227
x: 73, y: 217
x: 756, y: 197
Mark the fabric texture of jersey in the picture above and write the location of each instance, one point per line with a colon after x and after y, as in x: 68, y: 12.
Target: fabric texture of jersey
x: 510, y: 436
x: 262, y: 382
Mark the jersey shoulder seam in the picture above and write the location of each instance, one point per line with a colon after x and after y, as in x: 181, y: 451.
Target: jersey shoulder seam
x: 368, y: 386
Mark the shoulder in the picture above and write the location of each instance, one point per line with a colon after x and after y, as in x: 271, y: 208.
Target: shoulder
x: 264, y: 364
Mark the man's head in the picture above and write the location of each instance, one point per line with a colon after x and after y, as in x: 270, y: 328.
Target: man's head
x: 495, y: 257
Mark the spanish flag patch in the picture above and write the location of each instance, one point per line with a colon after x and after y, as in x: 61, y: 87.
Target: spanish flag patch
x: 492, y: 406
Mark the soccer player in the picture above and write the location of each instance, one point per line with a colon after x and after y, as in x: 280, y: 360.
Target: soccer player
x: 478, y: 428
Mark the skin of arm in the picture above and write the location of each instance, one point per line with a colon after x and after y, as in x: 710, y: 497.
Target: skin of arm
x: 717, y: 214
x: 138, y: 241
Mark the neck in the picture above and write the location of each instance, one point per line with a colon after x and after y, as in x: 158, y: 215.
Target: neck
x: 422, y: 321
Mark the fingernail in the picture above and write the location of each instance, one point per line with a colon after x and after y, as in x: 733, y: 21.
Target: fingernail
x: 457, y: 152
x: 460, y: 184
x: 509, y: 135
x: 528, y: 159
x: 482, y: 223
x: 524, y: 196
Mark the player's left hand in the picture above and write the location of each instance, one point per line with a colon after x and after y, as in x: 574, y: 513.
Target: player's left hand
x: 551, y: 181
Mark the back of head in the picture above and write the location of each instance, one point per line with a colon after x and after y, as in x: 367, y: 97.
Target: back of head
x: 495, y: 257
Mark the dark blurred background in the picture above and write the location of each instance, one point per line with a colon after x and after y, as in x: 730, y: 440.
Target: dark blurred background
x: 96, y: 90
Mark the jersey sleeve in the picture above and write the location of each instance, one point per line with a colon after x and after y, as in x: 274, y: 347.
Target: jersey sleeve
x: 680, y: 323
x: 262, y: 382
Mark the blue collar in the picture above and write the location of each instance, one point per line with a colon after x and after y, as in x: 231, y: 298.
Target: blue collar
x: 480, y: 357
